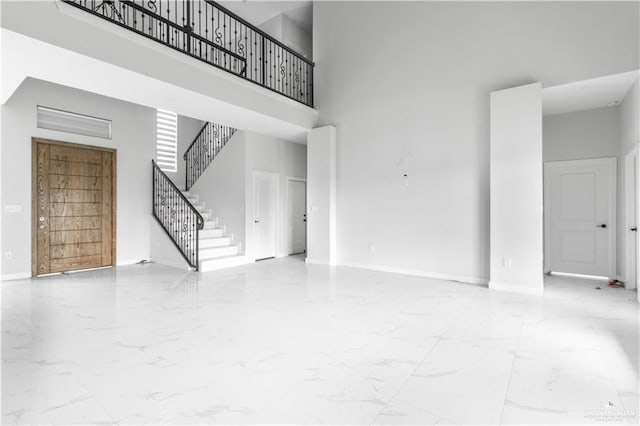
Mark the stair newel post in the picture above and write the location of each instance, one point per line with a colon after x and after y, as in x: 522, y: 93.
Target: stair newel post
x: 198, y: 242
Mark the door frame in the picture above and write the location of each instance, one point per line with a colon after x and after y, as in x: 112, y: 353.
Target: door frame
x: 275, y: 178
x: 611, y: 163
x: 34, y: 195
x: 289, y: 179
x: 631, y: 207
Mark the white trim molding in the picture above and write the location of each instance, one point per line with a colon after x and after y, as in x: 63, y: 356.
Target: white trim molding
x: 630, y: 182
x: 18, y: 276
x: 417, y: 273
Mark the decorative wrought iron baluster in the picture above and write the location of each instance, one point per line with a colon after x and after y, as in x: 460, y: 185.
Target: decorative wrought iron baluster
x: 178, y: 217
x: 216, y: 36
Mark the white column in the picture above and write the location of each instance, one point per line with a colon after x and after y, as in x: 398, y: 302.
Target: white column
x: 321, y: 195
x: 516, y: 190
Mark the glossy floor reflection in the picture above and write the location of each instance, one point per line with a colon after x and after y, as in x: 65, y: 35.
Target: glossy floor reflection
x: 284, y: 342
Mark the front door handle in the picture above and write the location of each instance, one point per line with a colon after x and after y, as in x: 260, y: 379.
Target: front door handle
x: 604, y: 225
x: 634, y: 229
x: 256, y: 221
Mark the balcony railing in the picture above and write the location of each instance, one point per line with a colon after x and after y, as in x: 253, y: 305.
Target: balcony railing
x: 207, y: 31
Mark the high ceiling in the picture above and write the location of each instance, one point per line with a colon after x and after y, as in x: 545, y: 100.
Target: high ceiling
x: 583, y: 95
x: 259, y: 11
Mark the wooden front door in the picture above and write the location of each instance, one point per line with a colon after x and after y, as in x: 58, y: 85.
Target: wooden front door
x: 73, y: 207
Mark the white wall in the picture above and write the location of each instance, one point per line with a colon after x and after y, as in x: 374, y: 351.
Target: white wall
x: 273, y: 27
x: 162, y: 248
x: 630, y: 119
x: 587, y: 134
x: 133, y: 130
x: 584, y: 134
x: 188, y: 128
x: 283, y: 29
x: 296, y: 38
x: 408, y: 88
x: 222, y: 187
x: 286, y: 159
x: 516, y: 190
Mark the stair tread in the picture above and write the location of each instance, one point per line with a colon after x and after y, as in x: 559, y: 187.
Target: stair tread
x: 220, y: 247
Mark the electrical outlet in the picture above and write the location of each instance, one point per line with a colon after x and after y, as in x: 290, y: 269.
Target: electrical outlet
x: 8, y: 255
x: 372, y: 248
x: 506, y: 262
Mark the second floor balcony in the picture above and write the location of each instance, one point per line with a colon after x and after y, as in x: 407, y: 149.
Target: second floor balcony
x: 209, y: 32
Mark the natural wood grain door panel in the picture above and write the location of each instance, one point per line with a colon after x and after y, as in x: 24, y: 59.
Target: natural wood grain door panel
x: 74, y: 169
x: 75, y: 182
x: 65, y: 251
x: 75, y: 195
x: 84, y: 236
x: 77, y: 223
x: 69, y: 209
x: 73, y: 207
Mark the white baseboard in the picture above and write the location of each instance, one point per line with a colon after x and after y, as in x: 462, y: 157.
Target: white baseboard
x: 174, y: 263
x: 19, y: 276
x: 417, y: 273
x: 516, y: 289
x: 127, y: 262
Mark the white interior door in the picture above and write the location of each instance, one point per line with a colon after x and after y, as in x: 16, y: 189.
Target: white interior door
x: 580, y: 219
x: 297, y: 216
x: 265, y: 188
x: 631, y: 218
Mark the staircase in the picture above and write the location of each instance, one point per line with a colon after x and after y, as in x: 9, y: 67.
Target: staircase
x: 203, y: 243
x: 216, y: 249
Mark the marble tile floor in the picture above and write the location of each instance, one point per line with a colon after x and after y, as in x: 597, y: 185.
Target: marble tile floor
x: 284, y: 342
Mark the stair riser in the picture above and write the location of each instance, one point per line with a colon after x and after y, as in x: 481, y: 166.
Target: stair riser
x: 214, y: 264
x: 211, y: 233
x: 211, y: 253
x: 215, y: 242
